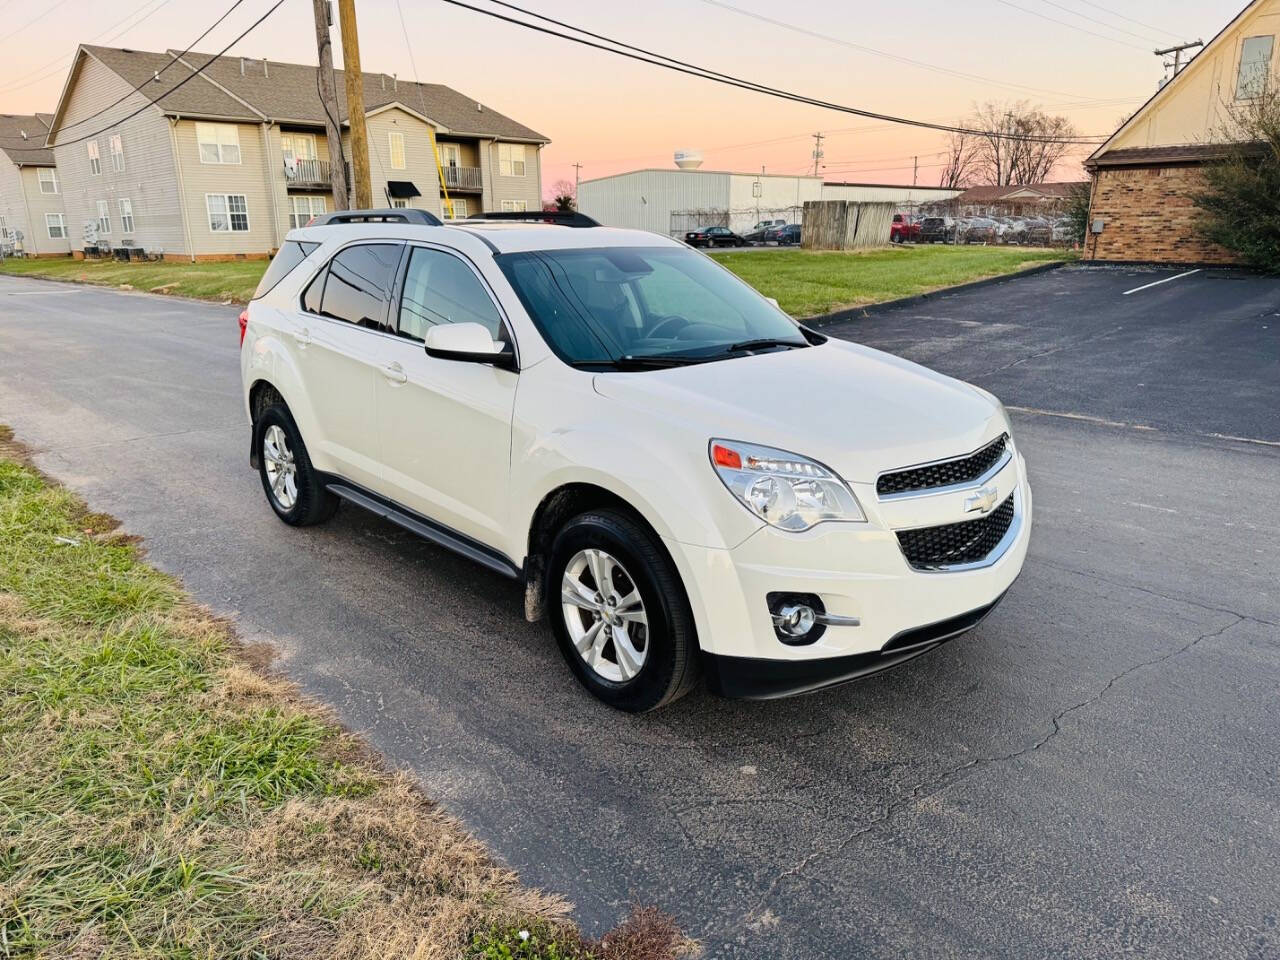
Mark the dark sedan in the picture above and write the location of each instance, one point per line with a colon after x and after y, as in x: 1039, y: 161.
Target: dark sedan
x: 714, y: 237
x: 786, y: 236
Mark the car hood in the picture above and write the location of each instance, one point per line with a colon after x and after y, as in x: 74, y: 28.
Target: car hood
x: 858, y: 410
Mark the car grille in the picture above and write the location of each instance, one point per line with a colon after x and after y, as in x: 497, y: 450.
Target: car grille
x: 944, y: 474
x: 952, y: 544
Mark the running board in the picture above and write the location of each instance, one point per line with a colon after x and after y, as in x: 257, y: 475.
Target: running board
x: 427, y: 529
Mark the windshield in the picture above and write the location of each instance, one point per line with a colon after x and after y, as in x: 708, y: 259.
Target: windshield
x: 669, y: 305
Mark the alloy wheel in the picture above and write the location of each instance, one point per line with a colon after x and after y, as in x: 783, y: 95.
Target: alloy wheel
x: 282, y: 471
x: 604, y: 615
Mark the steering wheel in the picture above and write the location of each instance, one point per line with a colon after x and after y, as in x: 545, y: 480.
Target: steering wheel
x: 670, y: 319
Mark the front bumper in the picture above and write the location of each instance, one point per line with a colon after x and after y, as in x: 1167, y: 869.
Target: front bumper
x: 859, y: 572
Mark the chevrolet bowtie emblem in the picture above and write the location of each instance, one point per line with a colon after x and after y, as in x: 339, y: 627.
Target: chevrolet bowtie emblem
x: 982, y: 501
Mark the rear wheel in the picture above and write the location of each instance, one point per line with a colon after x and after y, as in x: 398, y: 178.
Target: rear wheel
x: 623, y: 621
x: 292, y: 486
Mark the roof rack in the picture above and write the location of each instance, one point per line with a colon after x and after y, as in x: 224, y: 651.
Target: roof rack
x: 563, y: 218
x: 393, y: 215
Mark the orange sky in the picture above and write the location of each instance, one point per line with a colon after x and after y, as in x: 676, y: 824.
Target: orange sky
x: 1091, y: 61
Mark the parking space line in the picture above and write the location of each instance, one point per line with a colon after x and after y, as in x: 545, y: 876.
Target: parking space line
x: 1148, y: 286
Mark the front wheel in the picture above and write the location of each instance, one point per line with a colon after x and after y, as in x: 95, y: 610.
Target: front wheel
x: 290, y: 482
x: 623, y: 621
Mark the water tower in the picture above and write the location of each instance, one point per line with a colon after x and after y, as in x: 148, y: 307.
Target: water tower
x: 688, y: 159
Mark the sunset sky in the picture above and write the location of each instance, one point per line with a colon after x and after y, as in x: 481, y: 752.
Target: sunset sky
x: 611, y: 114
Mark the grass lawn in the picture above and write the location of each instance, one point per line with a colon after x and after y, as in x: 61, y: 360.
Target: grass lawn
x: 160, y: 797
x: 235, y: 280
x: 806, y: 283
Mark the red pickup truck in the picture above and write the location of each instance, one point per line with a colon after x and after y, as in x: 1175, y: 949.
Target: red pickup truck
x: 905, y: 229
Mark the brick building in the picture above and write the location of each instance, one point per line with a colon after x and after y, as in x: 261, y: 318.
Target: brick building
x: 1145, y: 175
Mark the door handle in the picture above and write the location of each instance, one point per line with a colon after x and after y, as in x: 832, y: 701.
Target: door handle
x: 395, y: 373
x: 302, y: 336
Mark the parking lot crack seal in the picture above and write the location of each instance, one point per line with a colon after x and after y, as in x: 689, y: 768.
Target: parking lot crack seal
x: 958, y: 774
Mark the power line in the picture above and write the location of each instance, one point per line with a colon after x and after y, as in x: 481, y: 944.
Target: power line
x: 679, y: 66
x: 936, y: 68
x: 48, y: 10
x: 197, y: 71
x: 58, y: 63
x: 1085, y: 16
x: 1149, y: 26
x: 172, y: 60
x: 1072, y: 26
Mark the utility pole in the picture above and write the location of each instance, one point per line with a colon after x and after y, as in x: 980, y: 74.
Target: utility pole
x: 817, y: 152
x: 1177, y: 54
x: 355, y: 104
x: 915, y: 170
x: 577, y: 181
x: 329, y: 100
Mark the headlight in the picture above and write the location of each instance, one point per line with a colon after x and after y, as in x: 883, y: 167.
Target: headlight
x: 785, y: 490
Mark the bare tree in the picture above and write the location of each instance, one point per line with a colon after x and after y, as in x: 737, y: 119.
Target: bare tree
x: 960, y: 162
x: 563, y: 196
x: 1020, y: 143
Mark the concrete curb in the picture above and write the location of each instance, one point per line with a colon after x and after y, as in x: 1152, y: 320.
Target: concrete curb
x: 871, y: 309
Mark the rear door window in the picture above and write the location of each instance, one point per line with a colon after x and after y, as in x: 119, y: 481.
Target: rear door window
x: 290, y: 254
x: 358, y: 285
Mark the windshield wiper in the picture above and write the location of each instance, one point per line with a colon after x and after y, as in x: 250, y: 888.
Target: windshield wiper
x: 761, y: 344
x: 655, y: 362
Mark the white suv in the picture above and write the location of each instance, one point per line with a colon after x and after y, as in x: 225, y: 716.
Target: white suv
x: 684, y: 479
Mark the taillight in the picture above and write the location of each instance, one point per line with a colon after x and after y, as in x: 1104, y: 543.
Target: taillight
x: 244, y: 324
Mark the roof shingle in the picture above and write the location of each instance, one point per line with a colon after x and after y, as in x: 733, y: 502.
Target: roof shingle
x: 36, y: 128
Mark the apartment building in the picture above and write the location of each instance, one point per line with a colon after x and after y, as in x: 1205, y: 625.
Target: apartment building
x: 32, y: 219
x: 221, y: 162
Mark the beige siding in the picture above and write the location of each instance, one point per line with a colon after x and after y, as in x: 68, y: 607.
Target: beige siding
x: 498, y: 188
x: 1195, y: 108
x: 11, y: 201
x: 149, y: 178
x: 249, y: 178
x: 39, y: 204
x: 419, y: 160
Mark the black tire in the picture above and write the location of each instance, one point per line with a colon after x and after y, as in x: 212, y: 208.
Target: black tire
x: 314, y: 504
x: 671, y: 666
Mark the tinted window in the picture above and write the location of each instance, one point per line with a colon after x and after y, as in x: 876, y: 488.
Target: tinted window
x: 290, y: 254
x: 440, y: 288
x: 359, y: 284
x: 311, y: 299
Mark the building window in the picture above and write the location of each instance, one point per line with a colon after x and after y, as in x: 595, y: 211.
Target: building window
x: 117, y: 153
x: 48, y: 180
x: 219, y: 142
x: 228, y: 212
x: 302, y: 209
x: 95, y: 162
x: 397, y: 149
x: 126, y: 216
x: 459, y: 208
x: 1255, y: 67
x: 511, y: 159
x: 56, y: 224
x: 298, y: 146
x: 450, y: 155
x: 104, y: 219
x: 515, y: 206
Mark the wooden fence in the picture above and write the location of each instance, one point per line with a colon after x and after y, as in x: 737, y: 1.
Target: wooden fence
x: 845, y: 224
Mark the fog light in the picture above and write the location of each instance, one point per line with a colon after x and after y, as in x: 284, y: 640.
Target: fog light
x: 796, y: 617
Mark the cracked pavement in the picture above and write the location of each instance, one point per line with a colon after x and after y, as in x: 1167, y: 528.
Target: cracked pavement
x: 1093, y: 772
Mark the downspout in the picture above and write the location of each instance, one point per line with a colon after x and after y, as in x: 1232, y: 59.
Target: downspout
x: 182, y: 188
x: 271, y: 184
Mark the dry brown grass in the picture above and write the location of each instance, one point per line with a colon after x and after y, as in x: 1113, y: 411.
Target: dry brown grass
x: 163, y: 795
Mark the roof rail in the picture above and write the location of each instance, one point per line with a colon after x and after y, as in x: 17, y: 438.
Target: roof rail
x: 563, y: 218
x: 393, y: 215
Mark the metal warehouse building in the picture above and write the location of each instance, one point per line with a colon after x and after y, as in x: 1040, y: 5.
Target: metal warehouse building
x: 673, y: 201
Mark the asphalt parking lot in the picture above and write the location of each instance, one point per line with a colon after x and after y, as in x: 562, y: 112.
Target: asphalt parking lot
x: 1093, y: 772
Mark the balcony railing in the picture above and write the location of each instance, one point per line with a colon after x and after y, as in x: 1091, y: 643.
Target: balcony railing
x: 307, y: 173
x: 463, y: 178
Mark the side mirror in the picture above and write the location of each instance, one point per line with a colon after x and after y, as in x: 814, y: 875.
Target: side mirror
x: 469, y: 343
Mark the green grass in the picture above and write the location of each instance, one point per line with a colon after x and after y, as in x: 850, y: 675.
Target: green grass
x: 807, y: 283
x: 234, y: 280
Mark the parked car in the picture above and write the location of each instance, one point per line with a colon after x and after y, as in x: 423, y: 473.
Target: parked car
x: 1064, y: 230
x: 937, y: 230
x: 978, y: 230
x: 904, y: 229
x: 714, y: 237
x: 786, y: 236
x: 768, y: 225
x: 612, y: 420
x: 760, y: 233
x: 1039, y: 232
